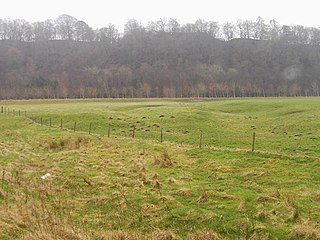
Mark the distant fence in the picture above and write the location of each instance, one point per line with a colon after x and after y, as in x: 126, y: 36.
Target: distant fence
x: 60, y: 124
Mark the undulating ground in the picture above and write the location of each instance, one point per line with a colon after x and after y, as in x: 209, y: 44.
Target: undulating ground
x: 121, y: 182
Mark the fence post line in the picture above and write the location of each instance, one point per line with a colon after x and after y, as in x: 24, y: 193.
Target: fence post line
x: 41, y: 121
x: 61, y: 123
x: 200, y: 143
x: 161, y: 135
x: 1, y: 109
x: 133, y: 131
x: 109, y: 131
x: 253, y: 141
x: 74, y: 127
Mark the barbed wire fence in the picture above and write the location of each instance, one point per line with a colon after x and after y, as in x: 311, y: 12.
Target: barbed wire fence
x: 115, y: 130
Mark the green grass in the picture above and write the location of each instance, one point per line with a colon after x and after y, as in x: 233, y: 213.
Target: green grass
x: 100, y: 184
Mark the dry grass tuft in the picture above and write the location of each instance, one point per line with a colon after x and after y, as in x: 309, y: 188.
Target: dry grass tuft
x: 241, y: 207
x: 121, y: 235
x: 185, y: 192
x: 294, y: 215
x: 163, y: 199
x: 172, y: 181
x: 142, y: 152
x: 255, y: 174
x: 144, y: 179
x: 163, y: 160
x: 265, y: 198
x: 140, y: 167
x: 2, y: 194
x: 203, y: 235
x: 261, y: 214
x: 155, y: 176
x: 61, y: 232
x: 317, y: 197
x: 204, y: 197
x: 157, y: 185
x: 163, y: 235
x: 306, y: 232
x: 275, y: 193
x: 293, y: 208
x: 225, y: 196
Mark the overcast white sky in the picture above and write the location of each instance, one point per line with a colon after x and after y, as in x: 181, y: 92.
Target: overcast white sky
x: 98, y: 13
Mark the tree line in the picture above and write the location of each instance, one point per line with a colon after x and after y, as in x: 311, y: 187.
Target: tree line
x: 66, y: 58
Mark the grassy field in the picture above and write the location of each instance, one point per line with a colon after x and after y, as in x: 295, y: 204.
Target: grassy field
x: 120, y: 187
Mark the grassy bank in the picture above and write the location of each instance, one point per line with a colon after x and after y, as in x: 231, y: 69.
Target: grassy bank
x: 106, y: 187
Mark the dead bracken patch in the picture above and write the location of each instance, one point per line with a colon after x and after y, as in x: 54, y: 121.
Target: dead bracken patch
x: 163, y: 160
x: 66, y: 143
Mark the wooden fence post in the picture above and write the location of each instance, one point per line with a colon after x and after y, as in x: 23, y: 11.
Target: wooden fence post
x: 90, y: 128
x: 253, y: 141
x: 133, y: 131
x: 200, y: 143
x: 161, y: 135
x: 41, y: 121
x: 109, y: 131
x: 61, y: 123
x: 74, y: 126
x: 1, y: 109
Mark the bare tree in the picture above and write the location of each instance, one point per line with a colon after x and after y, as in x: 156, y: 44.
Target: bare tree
x: 173, y: 26
x: 65, y: 25
x: 83, y: 32
x: 133, y: 26
x: 201, y: 26
x: 3, y: 29
x: 214, y: 29
x: 228, y: 31
x: 108, y: 34
x: 274, y: 30
x: 260, y: 29
x: 43, y: 30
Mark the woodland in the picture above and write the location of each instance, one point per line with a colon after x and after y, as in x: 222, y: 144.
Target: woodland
x: 66, y: 58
